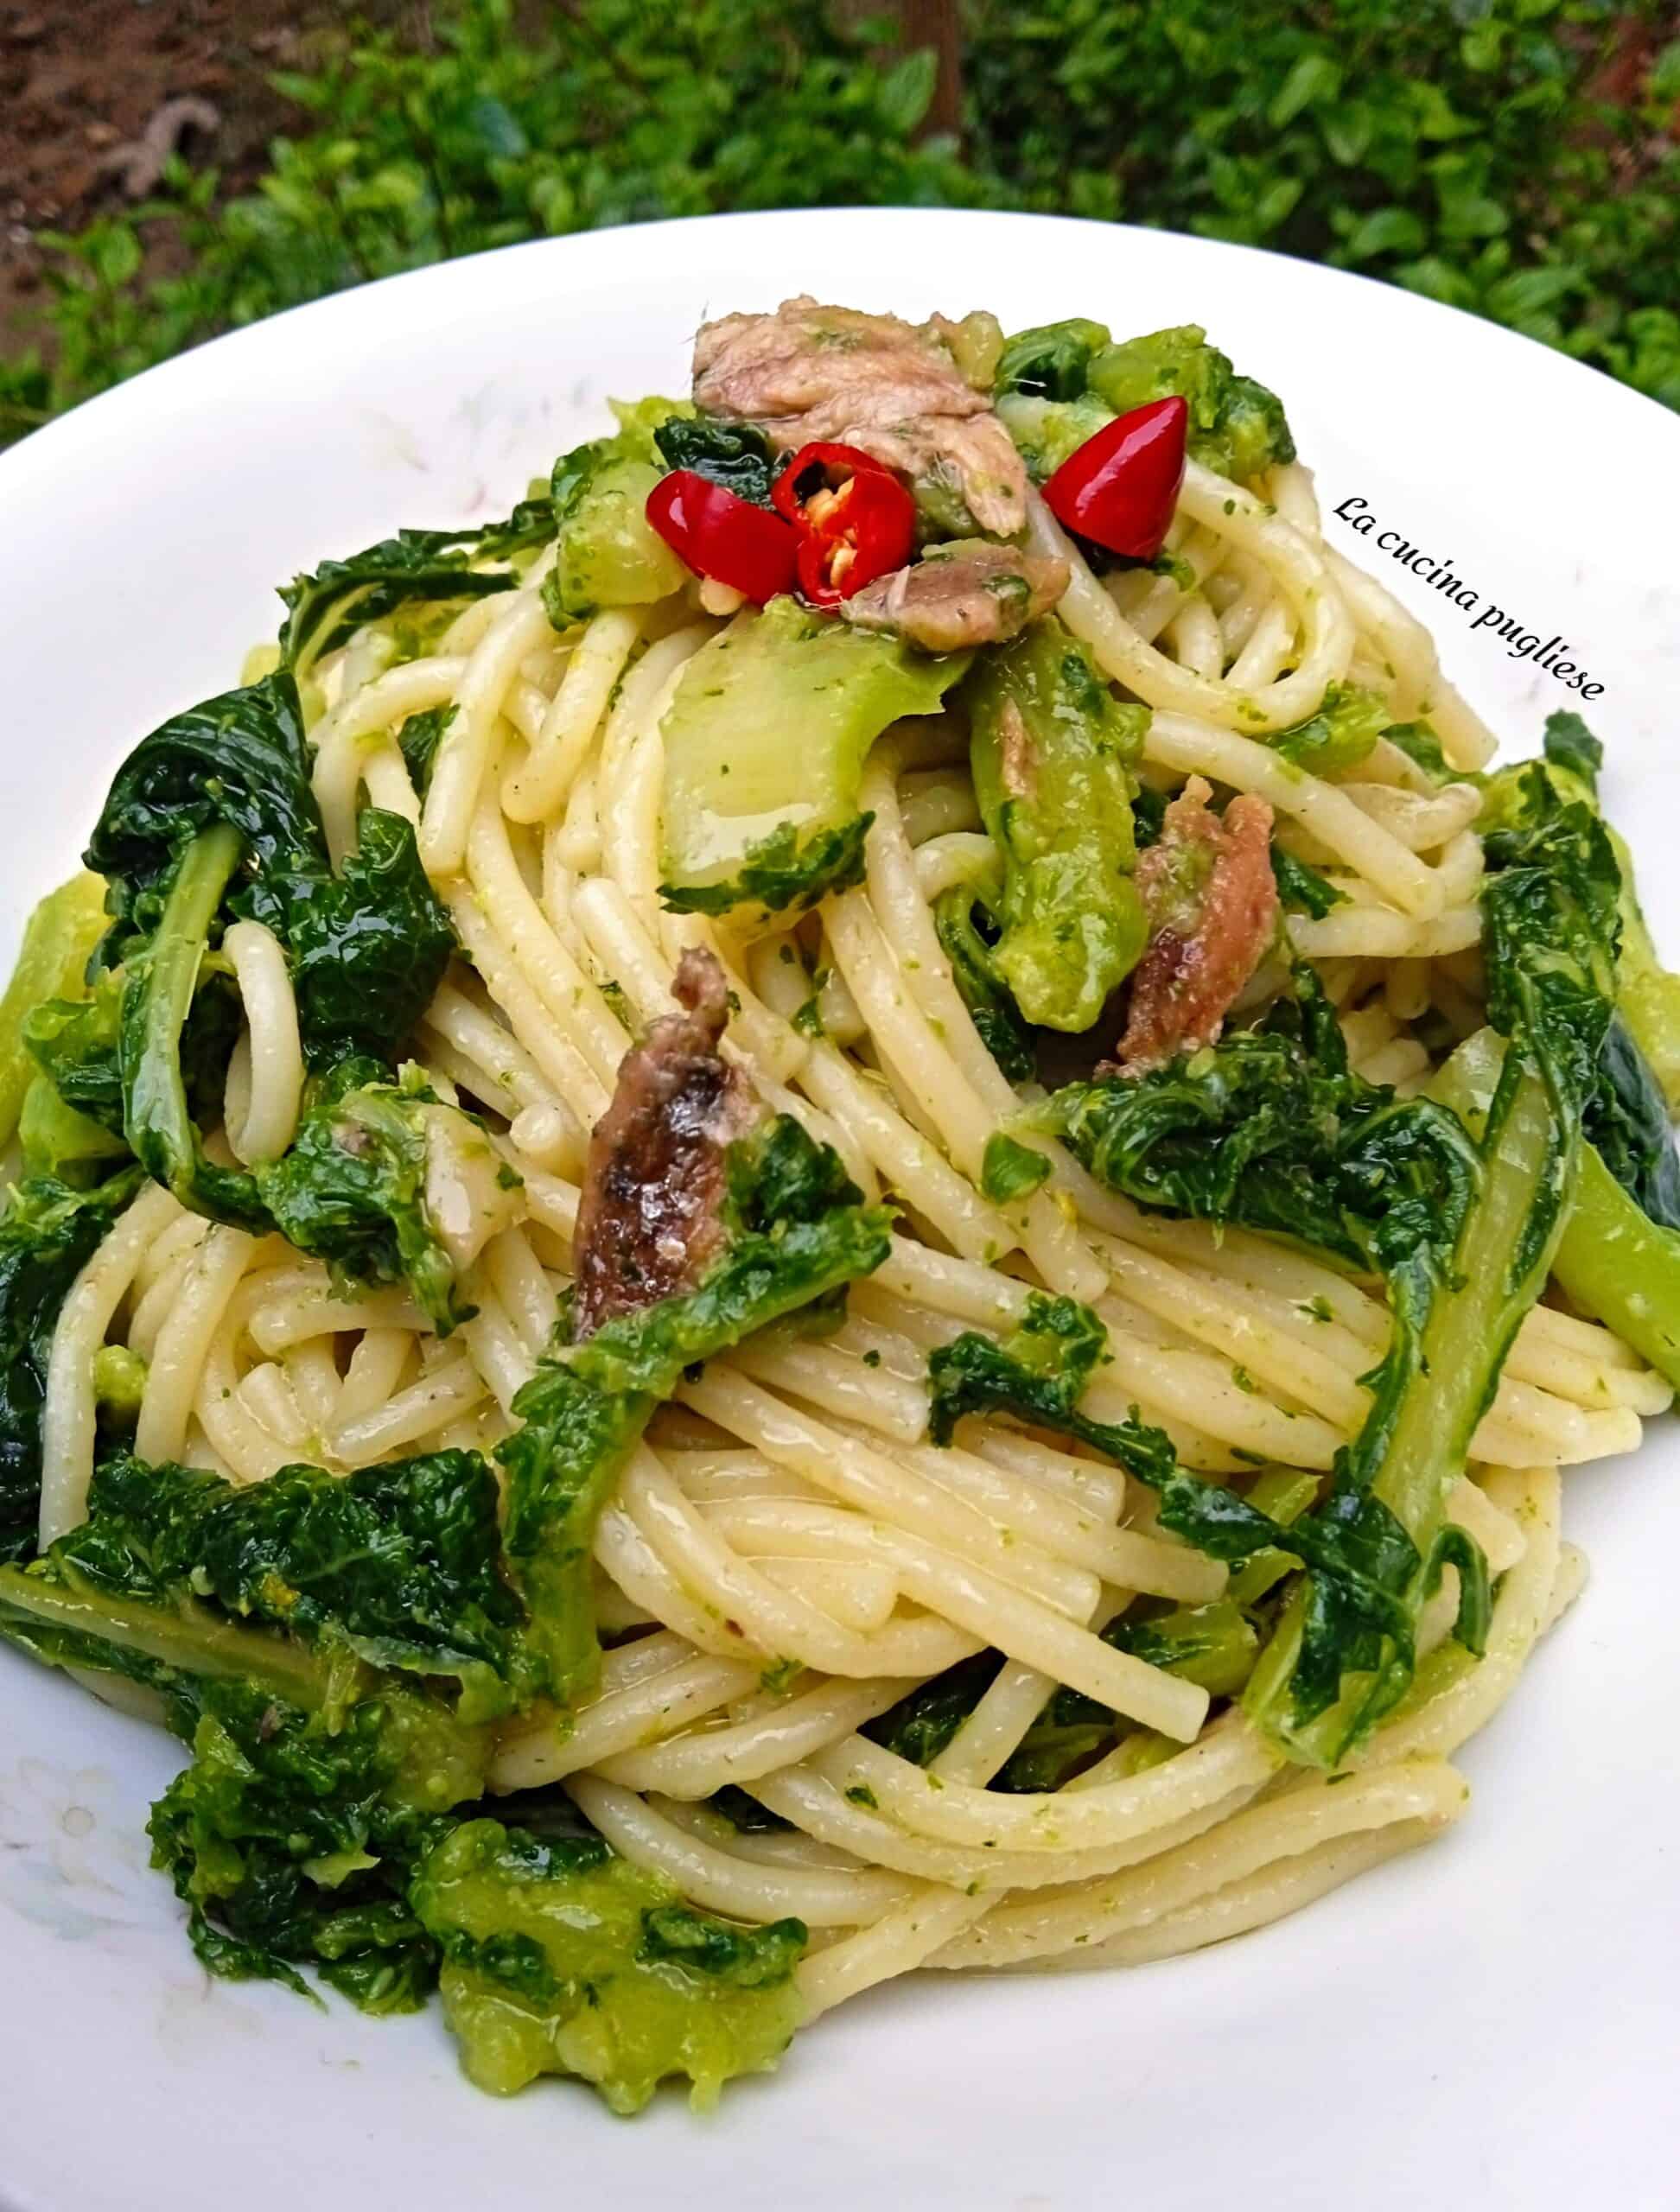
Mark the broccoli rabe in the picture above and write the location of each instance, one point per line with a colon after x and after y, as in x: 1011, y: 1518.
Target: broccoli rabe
x: 389, y: 1184
x: 1212, y: 1644
x: 58, y: 940
x: 756, y: 824
x: 211, y: 817
x: 399, y: 1564
x: 966, y: 922
x: 1618, y: 1263
x: 1627, y: 1124
x: 1300, y: 888
x: 1052, y: 752
x: 607, y: 554
x: 1324, y: 1685
x: 1236, y: 427
x: 367, y: 947
x: 324, y: 609
x: 1051, y: 361
x: 1045, y: 432
x: 1647, y: 994
x: 418, y: 739
x: 76, y: 1043
x: 1058, y: 385
x: 316, y: 1779
x: 560, y: 1957
x: 737, y: 455
x: 59, y: 1142
x: 1275, y: 1132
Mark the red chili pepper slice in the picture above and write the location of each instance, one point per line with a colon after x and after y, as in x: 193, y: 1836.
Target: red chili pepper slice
x: 1119, y: 488
x: 856, y: 520
x: 723, y: 536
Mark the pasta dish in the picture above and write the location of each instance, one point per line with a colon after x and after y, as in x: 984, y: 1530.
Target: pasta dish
x: 840, y: 1207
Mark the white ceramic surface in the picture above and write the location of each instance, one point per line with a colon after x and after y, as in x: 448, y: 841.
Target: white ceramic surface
x: 1493, y: 2021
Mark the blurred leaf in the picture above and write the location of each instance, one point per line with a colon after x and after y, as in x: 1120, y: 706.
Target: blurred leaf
x: 906, y: 91
x: 497, y: 129
x: 1386, y: 230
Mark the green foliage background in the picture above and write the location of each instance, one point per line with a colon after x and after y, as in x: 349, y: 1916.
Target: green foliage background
x: 1458, y: 147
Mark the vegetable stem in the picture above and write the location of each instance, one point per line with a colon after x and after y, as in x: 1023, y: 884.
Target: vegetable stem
x: 160, y: 1124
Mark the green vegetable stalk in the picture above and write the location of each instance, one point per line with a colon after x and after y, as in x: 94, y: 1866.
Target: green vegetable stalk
x: 156, y: 1001
x: 1052, y: 752
x: 58, y: 941
x: 1616, y: 1262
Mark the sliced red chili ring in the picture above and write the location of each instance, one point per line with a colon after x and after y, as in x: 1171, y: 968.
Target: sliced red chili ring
x: 855, y: 519
x: 720, y: 535
x: 1120, y: 488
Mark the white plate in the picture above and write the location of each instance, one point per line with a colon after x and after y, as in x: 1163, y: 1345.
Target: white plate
x: 1492, y: 2020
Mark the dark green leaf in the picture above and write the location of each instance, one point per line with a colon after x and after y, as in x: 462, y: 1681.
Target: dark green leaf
x: 735, y: 454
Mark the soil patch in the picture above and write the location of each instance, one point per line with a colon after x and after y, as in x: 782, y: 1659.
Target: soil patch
x: 95, y: 94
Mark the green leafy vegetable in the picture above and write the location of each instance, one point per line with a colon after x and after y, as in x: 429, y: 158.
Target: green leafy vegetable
x: 418, y: 741
x: 47, y: 1233
x: 59, y: 939
x: 1617, y: 1263
x: 62, y: 1144
x: 399, y: 1564
x: 923, y: 1721
x: 325, y: 608
x: 1011, y: 1170
x: 1045, y: 432
x: 1626, y: 1122
x: 1300, y: 888
x: 313, y: 1784
x: 1059, y: 385
x: 1052, y: 361
x: 77, y: 1043
x: 1647, y: 994
x: 751, y: 822
x: 737, y: 455
x: 1052, y: 751
x: 1339, y: 735
x: 1368, y: 1575
x: 968, y: 930
x: 562, y: 1958
x: 1420, y: 744
x: 783, y: 874
x: 1569, y: 745
x: 1236, y: 427
x: 1272, y: 1131
x: 1213, y: 1645
x: 354, y: 1186
x: 212, y: 816
x: 160, y: 980
x: 795, y: 1234
x: 367, y: 948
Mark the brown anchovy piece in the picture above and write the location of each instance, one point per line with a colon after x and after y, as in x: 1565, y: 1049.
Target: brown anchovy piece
x: 651, y: 1220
